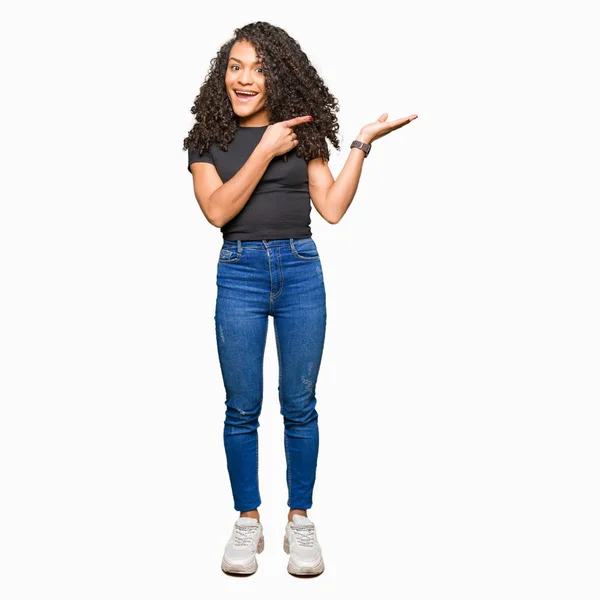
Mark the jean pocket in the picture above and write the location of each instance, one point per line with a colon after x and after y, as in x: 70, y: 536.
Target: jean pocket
x: 229, y: 253
x: 305, y: 249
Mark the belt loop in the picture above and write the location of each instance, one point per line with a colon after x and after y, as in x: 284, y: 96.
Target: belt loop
x: 239, y: 247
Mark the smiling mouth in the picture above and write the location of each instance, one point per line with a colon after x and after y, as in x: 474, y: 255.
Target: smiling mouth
x: 243, y: 97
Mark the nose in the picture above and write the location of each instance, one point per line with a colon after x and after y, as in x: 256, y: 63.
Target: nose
x: 245, y: 77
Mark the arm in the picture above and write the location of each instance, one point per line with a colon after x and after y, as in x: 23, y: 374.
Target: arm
x: 219, y: 201
x: 332, y: 198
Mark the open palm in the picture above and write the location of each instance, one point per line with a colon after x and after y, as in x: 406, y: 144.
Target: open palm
x: 381, y: 127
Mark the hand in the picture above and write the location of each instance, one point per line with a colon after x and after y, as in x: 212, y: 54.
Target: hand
x: 373, y: 131
x: 280, y: 138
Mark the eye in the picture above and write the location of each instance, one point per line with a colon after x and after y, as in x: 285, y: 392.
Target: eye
x: 235, y: 67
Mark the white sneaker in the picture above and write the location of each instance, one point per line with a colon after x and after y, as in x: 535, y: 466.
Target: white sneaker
x: 245, y: 541
x: 300, y: 542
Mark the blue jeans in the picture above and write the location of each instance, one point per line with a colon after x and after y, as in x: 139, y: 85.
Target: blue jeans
x: 255, y: 279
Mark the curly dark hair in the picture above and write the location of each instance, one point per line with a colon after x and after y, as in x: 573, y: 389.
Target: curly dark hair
x: 293, y: 89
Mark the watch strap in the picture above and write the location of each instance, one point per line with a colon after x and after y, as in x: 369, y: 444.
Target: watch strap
x: 366, y: 148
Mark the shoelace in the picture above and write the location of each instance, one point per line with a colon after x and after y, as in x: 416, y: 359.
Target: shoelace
x: 244, y: 535
x: 305, y: 534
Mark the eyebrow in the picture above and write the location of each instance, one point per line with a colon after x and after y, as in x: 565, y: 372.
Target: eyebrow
x: 242, y: 62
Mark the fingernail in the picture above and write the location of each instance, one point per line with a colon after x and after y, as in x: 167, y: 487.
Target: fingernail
x: 310, y: 118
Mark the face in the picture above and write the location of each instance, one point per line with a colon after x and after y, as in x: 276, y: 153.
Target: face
x: 245, y: 74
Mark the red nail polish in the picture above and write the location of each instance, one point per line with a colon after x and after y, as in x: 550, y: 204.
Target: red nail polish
x: 310, y: 118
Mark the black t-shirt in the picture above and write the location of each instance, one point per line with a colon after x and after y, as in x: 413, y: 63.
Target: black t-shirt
x: 279, y: 206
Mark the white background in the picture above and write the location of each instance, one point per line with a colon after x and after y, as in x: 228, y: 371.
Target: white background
x: 458, y: 393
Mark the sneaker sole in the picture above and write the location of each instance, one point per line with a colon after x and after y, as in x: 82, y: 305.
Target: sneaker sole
x: 302, y: 571
x: 243, y: 568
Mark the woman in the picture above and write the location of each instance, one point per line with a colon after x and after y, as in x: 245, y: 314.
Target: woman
x: 258, y: 155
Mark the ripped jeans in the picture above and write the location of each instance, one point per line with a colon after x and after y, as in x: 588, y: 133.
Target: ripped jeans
x: 281, y: 278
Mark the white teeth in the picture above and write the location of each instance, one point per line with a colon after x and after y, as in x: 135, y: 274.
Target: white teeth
x: 245, y: 93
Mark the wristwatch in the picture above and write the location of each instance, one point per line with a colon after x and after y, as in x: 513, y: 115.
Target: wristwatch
x: 366, y: 148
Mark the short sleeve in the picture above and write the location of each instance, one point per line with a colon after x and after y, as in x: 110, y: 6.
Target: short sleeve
x: 193, y: 157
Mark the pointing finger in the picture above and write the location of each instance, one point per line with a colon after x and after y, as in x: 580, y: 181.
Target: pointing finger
x: 297, y: 120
